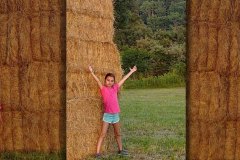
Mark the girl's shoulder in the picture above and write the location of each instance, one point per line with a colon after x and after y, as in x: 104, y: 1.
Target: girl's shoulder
x: 116, y: 86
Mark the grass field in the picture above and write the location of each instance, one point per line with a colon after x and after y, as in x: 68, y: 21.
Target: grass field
x: 33, y: 156
x: 153, y: 126
x: 153, y: 123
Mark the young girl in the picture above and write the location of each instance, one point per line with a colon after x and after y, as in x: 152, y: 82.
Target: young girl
x: 111, y: 108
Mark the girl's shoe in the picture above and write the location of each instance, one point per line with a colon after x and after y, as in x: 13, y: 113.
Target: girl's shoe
x: 98, y: 156
x: 123, y: 153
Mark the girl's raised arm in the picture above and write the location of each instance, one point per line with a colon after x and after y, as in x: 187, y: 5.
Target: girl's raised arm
x: 132, y: 70
x: 95, y: 77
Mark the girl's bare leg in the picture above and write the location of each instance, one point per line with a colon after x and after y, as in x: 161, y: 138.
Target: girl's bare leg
x: 102, y: 135
x: 118, y: 135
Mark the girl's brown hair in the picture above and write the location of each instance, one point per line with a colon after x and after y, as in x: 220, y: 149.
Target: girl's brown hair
x: 110, y: 75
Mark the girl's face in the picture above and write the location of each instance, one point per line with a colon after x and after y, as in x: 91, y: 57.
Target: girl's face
x: 109, y: 81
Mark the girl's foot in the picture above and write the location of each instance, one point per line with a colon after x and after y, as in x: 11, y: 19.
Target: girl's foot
x: 123, y: 152
x: 98, y: 156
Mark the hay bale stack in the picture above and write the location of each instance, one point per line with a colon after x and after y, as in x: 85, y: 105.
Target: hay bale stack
x: 89, y: 41
x: 32, y: 71
x: 214, y: 80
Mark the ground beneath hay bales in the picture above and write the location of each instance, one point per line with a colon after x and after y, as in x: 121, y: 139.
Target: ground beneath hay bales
x: 153, y: 124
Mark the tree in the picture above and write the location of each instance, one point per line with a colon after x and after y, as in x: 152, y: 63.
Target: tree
x: 161, y: 62
x: 140, y: 58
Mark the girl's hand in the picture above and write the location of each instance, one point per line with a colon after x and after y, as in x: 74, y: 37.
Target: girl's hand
x: 90, y: 69
x: 133, y: 69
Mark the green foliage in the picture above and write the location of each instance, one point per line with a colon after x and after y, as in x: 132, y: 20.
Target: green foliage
x: 150, y: 45
x: 150, y: 62
x: 154, y: 29
x: 167, y: 80
x: 179, y: 69
x: 128, y: 36
x: 161, y: 62
x: 131, y: 57
x: 178, y: 6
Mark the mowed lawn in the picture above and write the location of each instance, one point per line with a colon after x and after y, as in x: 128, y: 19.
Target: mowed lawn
x: 153, y: 123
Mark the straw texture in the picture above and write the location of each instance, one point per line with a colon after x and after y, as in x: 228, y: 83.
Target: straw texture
x: 32, y: 71
x: 214, y: 79
x: 89, y: 42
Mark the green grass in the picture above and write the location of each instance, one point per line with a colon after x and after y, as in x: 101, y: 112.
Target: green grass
x: 153, y: 123
x: 168, y: 80
x: 33, y: 156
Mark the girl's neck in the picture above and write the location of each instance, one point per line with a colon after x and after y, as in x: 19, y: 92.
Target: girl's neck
x: 108, y: 86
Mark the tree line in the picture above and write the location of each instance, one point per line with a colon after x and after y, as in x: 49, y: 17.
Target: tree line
x: 151, y: 34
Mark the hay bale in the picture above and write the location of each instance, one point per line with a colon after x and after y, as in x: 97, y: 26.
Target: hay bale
x: 216, y: 145
x: 213, y: 10
x: 32, y: 79
x: 203, y: 96
x: 203, y: 10
x: 54, y: 86
x: 203, y: 47
x: 100, y: 9
x: 223, y: 50
x: 212, y: 47
x: 44, y: 5
x: 17, y: 131
x: 3, y: 7
x: 7, y: 137
x: 35, y: 38
x: 3, y: 49
x: 35, y: 5
x: 93, y: 28
x: 24, y: 84
x: 24, y: 40
x: 54, y: 35
x: 237, y: 153
x: 44, y: 36
x: 44, y: 131
x: 12, y: 6
x: 230, y: 142
x: 3, y: 29
x: 34, y: 100
x: 234, y: 49
x: 193, y: 36
x: 14, y: 90
x: 89, y: 41
x: 5, y: 87
x: 225, y: 11
x: 194, y: 89
x: 55, y: 5
x: 194, y: 10
x: 213, y: 93
x: 43, y: 90
x: 31, y: 131
x: 1, y: 138
x: 54, y: 121
x: 12, y: 52
x: 232, y: 102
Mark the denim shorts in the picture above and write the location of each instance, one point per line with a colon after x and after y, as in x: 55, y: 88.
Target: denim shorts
x: 111, y: 118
